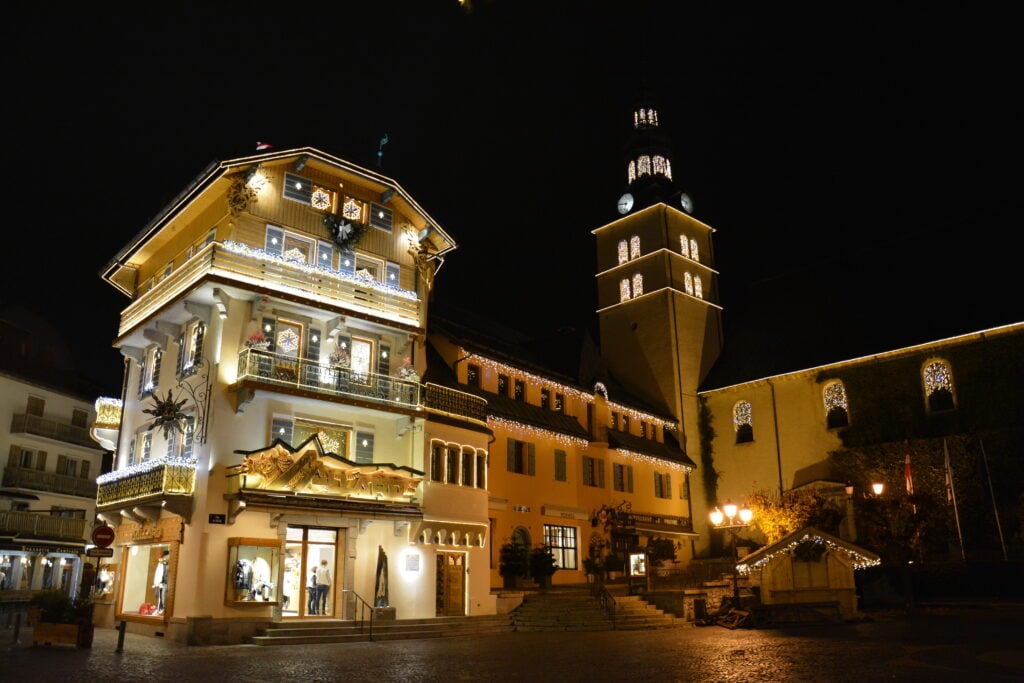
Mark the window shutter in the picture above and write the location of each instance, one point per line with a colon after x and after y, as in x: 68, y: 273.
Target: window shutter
x: 172, y: 444
x: 629, y: 479
x: 190, y: 428
x: 668, y: 485
x: 393, y: 274
x: 657, y: 485
x: 85, y: 469
x: 41, y: 461
x: 364, y: 454
x: 384, y: 361
x: 181, y: 353
x: 158, y: 354
x: 274, y: 243
x: 532, y: 467
x: 142, y: 376
x: 380, y: 217
x: 511, y: 455
x: 147, y: 447
x: 282, y: 429
x: 347, y: 261
x: 313, y: 345
x: 600, y: 473
x: 559, y: 465
x: 14, y: 456
x: 131, y: 452
x: 197, y: 352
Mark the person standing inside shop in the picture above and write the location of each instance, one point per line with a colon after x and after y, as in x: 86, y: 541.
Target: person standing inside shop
x: 323, y: 586
x: 311, y: 589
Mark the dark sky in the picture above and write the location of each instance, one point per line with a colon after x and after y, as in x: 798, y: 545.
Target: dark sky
x: 870, y: 155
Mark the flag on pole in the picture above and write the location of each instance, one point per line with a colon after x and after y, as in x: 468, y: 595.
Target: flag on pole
x: 262, y: 146
x: 906, y: 471
x: 949, y: 474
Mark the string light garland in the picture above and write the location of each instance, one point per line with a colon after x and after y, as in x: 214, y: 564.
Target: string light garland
x: 144, y: 467
x: 563, y: 439
x: 319, y: 271
x: 859, y: 561
x: 651, y: 460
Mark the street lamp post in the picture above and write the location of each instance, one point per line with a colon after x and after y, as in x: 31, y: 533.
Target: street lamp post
x: 732, y: 518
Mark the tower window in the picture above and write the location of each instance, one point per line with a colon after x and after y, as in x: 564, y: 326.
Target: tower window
x: 634, y: 247
x: 688, y: 283
x: 938, y: 385
x: 693, y: 250
x: 638, y: 285
x: 623, y: 252
x: 836, y: 414
x: 684, y: 246
x: 742, y: 422
x: 624, y: 289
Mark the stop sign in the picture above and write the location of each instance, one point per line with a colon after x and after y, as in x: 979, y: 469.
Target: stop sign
x: 103, y: 536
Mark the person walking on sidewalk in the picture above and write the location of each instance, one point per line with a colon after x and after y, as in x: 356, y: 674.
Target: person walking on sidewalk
x: 323, y: 587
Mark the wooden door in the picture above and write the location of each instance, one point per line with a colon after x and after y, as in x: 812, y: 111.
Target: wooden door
x: 451, y: 584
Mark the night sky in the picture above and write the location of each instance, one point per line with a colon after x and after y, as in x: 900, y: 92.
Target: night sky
x: 859, y: 162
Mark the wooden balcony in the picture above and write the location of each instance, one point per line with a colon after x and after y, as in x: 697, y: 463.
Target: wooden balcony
x: 33, y: 525
x: 52, y: 429
x: 51, y: 482
x: 258, y: 368
x: 253, y: 268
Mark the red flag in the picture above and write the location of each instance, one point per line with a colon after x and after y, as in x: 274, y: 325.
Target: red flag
x: 262, y: 145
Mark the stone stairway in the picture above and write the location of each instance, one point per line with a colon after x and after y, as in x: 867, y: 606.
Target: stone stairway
x: 573, y: 609
x: 342, y: 631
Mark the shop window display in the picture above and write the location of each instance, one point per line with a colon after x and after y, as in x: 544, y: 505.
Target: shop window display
x: 253, y: 565
x: 146, y: 579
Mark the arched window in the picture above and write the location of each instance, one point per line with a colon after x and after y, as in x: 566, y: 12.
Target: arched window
x: 643, y: 165
x: 742, y: 422
x: 634, y: 246
x: 638, y: 285
x: 624, y: 289
x: 684, y: 246
x: 623, y: 252
x: 836, y: 414
x: 632, y: 171
x: 693, y: 250
x: 698, y: 288
x: 688, y: 283
x: 938, y: 385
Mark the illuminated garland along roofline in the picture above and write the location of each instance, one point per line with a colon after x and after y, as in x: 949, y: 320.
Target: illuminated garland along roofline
x: 563, y: 439
x: 652, y: 460
x: 859, y: 561
x: 143, y: 467
x: 578, y: 394
x: 254, y: 252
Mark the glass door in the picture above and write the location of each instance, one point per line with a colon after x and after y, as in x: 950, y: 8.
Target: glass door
x: 309, y: 568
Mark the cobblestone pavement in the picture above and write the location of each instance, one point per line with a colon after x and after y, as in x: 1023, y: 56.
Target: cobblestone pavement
x: 933, y: 645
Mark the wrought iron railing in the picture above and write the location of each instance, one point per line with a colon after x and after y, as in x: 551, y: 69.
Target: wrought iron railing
x: 440, y: 399
x: 27, y: 478
x: 285, y: 371
x: 255, y: 267
x: 359, y: 611
x: 38, y: 525
x: 51, y: 429
x: 148, y: 480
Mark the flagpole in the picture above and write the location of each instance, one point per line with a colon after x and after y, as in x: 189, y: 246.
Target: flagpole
x: 992, y: 493
x: 952, y: 496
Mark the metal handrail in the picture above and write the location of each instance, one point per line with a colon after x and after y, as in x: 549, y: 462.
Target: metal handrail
x: 361, y: 607
x: 606, y: 600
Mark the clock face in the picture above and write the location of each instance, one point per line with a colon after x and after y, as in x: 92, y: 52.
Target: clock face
x: 625, y: 203
x: 686, y: 202
x: 320, y: 199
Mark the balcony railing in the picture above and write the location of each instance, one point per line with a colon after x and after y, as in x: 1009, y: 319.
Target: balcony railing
x: 51, y: 482
x: 35, y: 525
x: 147, y: 481
x: 51, y: 429
x: 285, y: 371
x: 448, y: 401
x: 247, y: 266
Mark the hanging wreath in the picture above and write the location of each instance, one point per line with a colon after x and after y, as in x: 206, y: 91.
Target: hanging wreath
x: 808, y: 551
x: 344, y: 233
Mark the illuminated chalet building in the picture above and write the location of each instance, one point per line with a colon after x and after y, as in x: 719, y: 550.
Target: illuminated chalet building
x: 288, y: 402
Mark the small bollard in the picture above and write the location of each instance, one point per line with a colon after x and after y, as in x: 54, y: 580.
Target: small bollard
x: 120, y: 636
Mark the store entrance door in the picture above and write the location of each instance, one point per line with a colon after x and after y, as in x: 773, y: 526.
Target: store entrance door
x: 451, y: 584
x: 310, y: 573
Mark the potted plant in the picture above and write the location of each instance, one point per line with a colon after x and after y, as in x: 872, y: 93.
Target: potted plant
x: 613, y: 565
x: 257, y: 340
x: 592, y: 567
x: 513, y: 563
x: 61, y: 619
x: 339, y: 357
x: 542, y: 565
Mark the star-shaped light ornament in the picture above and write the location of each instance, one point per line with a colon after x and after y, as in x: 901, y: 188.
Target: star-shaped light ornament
x: 167, y: 414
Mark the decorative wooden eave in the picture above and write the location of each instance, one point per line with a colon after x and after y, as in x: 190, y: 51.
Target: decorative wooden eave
x: 860, y: 557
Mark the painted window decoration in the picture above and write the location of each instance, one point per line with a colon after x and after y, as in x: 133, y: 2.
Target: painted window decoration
x: 836, y: 414
x: 742, y: 422
x: 634, y: 247
x: 638, y: 285
x: 623, y: 252
x: 938, y: 385
x: 624, y: 289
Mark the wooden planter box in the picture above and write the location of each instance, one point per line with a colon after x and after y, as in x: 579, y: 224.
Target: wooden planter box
x: 79, y: 635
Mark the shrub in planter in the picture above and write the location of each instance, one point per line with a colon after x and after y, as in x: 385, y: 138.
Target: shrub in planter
x: 542, y: 564
x: 513, y: 562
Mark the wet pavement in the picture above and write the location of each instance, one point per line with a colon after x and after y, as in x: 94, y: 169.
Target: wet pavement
x: 935, y: 644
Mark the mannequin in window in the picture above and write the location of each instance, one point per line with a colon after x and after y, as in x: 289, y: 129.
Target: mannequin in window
x: 160, y: 581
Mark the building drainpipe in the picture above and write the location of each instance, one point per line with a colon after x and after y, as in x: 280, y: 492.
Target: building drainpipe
x: 775, y: 424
